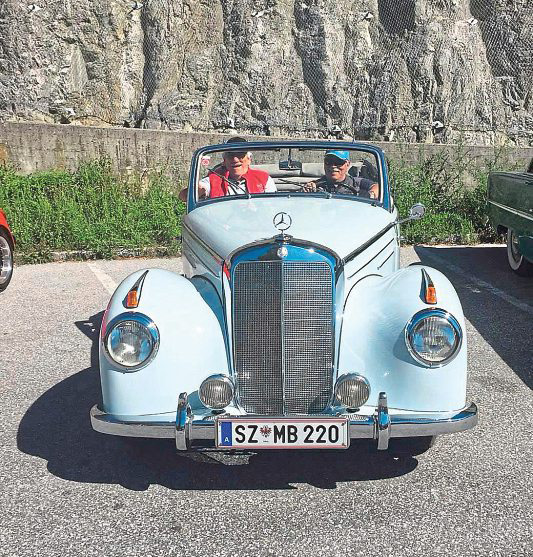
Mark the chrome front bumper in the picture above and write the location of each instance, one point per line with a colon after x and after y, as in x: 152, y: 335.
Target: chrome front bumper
x: 380, y: 426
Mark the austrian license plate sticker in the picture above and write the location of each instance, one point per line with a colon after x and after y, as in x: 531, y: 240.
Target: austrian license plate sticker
x: 290, y: 433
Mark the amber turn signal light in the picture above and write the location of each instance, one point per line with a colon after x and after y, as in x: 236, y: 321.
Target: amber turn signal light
x: 428, y: 292
x: 431, y: 295
x: 133, y: 297
x: 132, y: 300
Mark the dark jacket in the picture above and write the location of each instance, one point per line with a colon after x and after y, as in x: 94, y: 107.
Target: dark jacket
x: 351, y: 185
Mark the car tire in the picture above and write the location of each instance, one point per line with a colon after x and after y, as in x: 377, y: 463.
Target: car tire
x: 411, y: 446
x: 6, y: 260
x: 518, y: 263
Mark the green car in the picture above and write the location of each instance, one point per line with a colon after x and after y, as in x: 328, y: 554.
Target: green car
x: 510, y: 208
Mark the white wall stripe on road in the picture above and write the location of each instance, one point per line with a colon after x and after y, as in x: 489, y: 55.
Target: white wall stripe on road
x: 107, y: 282
x: 482, y: 284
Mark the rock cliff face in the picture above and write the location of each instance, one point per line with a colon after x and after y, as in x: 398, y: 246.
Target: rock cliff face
x: 411, y: 70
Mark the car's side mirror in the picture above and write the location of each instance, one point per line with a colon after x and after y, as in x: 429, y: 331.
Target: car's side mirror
x: 417, y: 211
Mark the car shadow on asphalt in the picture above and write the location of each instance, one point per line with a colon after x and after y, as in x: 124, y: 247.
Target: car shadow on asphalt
x: 504, y: 326
x: 57, y: 428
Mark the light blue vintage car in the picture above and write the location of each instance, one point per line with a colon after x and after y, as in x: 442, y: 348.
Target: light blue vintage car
x: 293, y: 325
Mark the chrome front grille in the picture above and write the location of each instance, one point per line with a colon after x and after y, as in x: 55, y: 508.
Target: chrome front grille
x: 283, y: 336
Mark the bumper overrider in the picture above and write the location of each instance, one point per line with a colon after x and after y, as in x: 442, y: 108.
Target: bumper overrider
x: 381, y: 426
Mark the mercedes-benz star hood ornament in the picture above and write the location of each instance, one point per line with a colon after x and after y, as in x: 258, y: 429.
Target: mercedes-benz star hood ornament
x: 282, y: 221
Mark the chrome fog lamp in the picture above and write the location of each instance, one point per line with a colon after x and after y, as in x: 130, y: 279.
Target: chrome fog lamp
x: 352, y: 390
x: 131, y: 340
x: 216, y: 391
x: 433, y: 337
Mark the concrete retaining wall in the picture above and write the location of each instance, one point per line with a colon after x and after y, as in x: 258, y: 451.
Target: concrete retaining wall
x: 30, y: 147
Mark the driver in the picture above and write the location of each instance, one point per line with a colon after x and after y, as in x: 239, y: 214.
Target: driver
x: 337, y: 180
x: 233, y: 176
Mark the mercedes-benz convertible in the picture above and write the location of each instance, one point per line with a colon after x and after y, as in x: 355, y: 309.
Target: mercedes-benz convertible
x: 293, y: 325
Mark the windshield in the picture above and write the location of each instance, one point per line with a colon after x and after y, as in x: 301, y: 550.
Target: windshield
x: 249, y: 171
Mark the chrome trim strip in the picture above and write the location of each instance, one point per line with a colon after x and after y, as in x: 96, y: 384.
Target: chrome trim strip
x: 367, y: 244
x: 413, y: 425
x: 196, y: 259
x: 219, y: 259
x: 417, y: 424
x: 388, y: 256
x: 282, y: 338
x: 107, y: 423
x: 511, y: 210
x: 283, y: 239
x: 377, y: 255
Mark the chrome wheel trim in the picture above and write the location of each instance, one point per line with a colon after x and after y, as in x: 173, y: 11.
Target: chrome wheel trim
x: 513, y: 254
x: 6, y: 259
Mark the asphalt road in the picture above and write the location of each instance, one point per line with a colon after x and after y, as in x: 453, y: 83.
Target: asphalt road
x: 67, y: 490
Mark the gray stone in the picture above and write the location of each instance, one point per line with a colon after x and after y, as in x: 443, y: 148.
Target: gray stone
x: 315, y: 68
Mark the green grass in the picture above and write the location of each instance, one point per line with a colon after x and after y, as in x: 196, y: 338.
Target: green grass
x: 92, y: 210
x: 453, y: 188
x: 97, y: 211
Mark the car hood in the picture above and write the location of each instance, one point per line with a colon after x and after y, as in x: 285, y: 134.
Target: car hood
x: 342, y: 225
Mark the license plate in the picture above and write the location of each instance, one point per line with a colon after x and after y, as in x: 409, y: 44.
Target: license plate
x: 287, y: 433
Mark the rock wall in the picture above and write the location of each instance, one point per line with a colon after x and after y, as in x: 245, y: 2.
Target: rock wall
x: 398, y: 70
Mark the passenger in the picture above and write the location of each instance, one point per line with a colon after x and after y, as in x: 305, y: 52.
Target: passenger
x: 233, y: 176
x: 336, y: 178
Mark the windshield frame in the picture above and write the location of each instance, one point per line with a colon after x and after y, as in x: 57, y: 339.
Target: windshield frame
x: 193, y: 203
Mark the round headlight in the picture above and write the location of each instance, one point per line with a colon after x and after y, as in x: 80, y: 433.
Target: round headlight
x: 352, y: 390
x: 216, y: 391
x: 132, y: 340
x: 433, y: 337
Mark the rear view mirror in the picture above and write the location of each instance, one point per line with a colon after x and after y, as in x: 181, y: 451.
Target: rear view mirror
x: 290, y: 165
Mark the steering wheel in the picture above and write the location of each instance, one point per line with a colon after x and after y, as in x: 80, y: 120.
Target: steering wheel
x: 355, y: 191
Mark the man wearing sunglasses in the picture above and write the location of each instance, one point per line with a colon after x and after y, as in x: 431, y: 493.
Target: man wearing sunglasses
x: 336, y: 178
x: 233, y: 176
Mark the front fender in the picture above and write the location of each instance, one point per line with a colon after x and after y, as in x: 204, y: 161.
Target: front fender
x: 372, y: 342
x: 191, y: 347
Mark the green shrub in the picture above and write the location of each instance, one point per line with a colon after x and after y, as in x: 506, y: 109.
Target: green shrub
x: 95, y: 210
x: 453, y: 189
x: 91, y: 209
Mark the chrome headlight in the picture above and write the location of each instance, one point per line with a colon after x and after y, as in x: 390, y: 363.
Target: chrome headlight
x: 433, y: 337
x: 131, y: 340
x: 352, y: 390
x: 216, y: 391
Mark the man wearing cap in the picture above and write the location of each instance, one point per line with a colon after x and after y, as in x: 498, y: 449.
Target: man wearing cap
x: 233, y: 176
x: 337, y: 180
